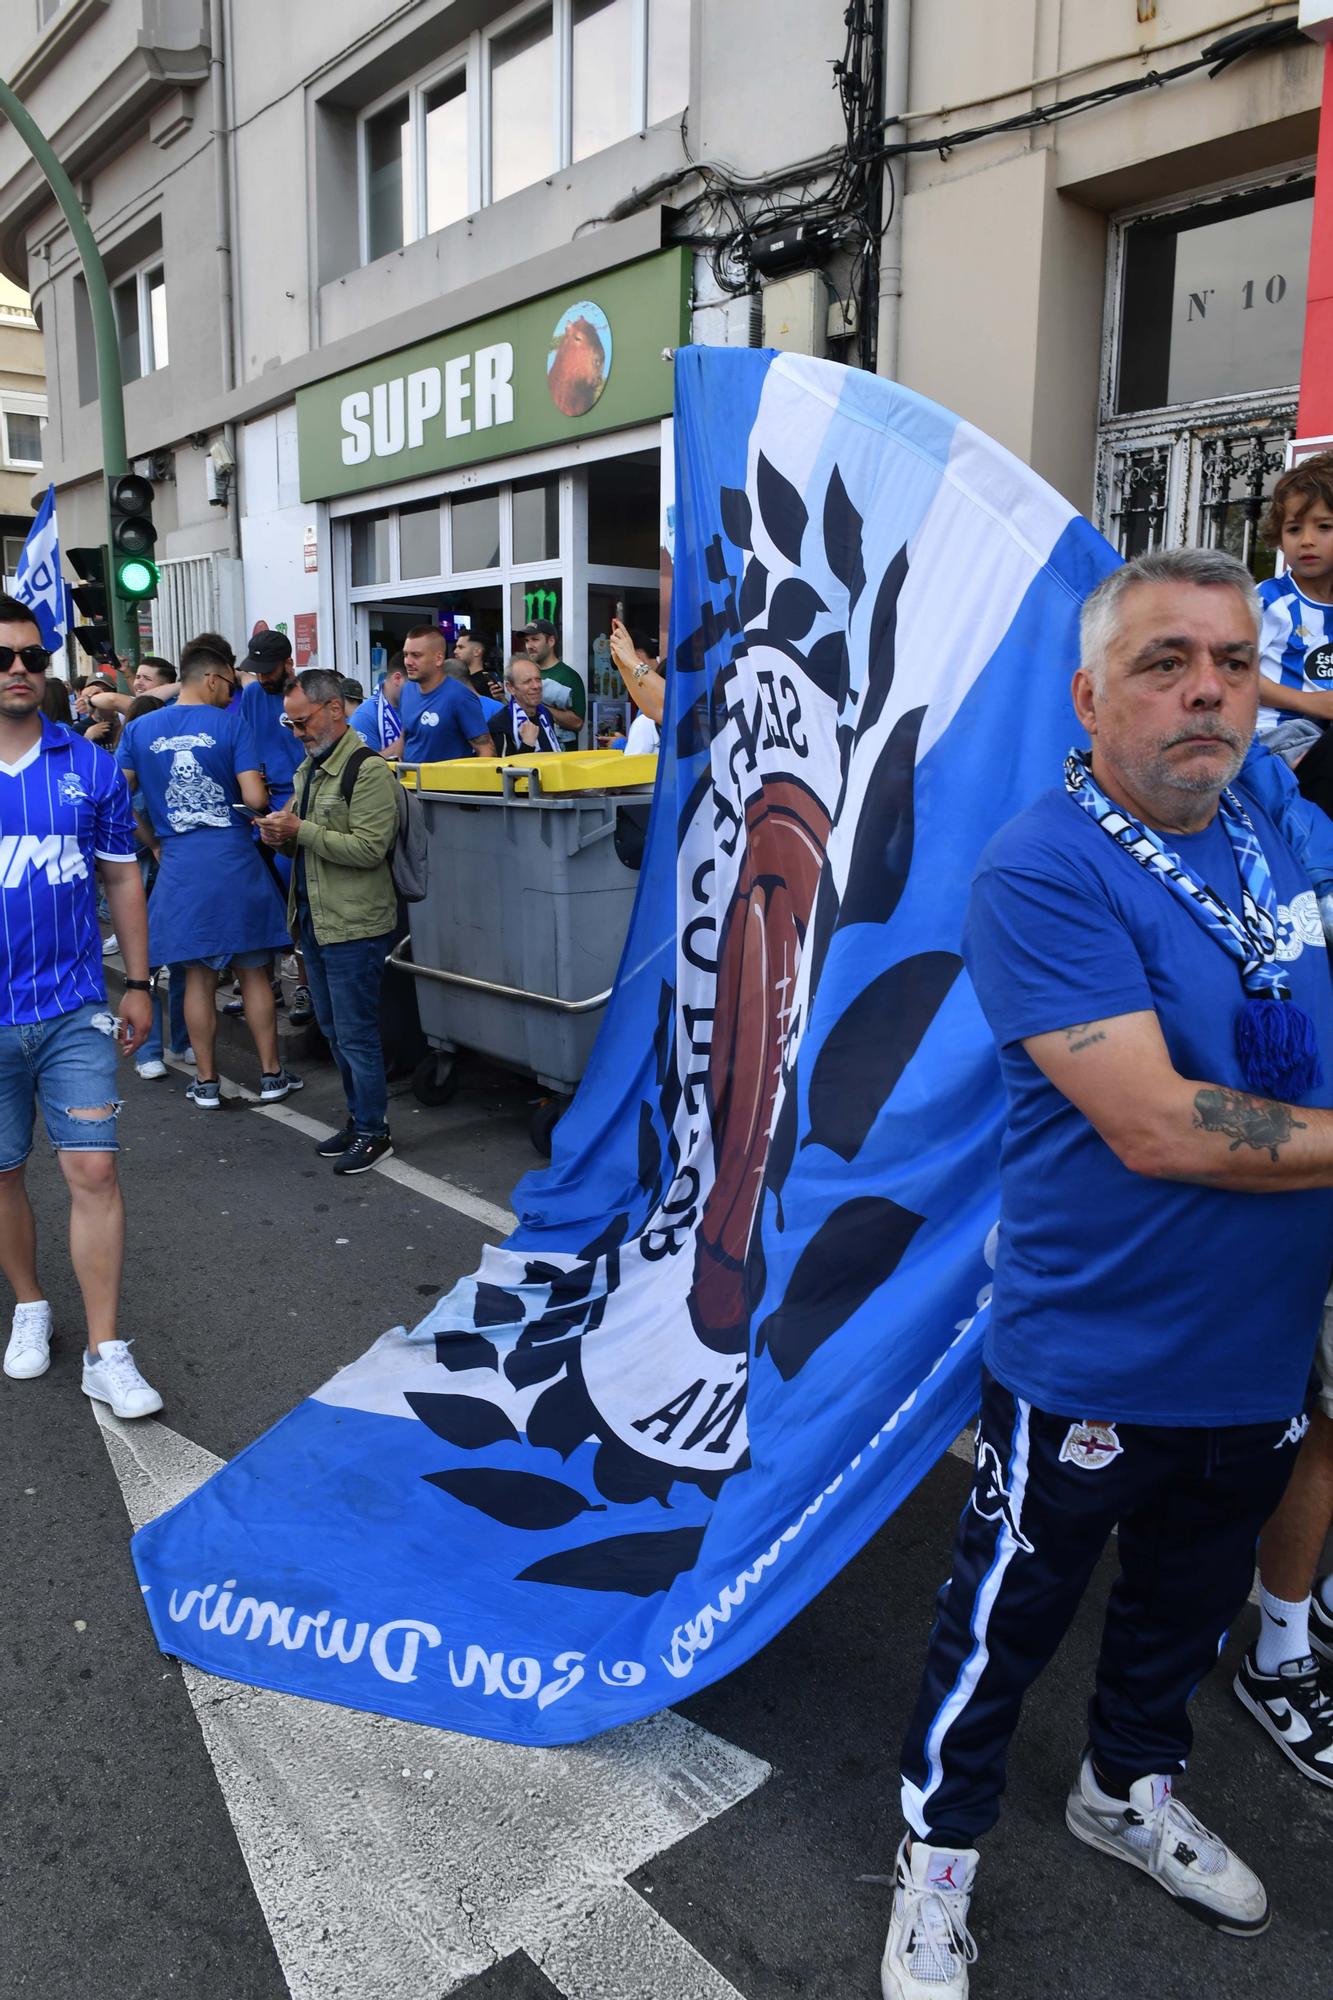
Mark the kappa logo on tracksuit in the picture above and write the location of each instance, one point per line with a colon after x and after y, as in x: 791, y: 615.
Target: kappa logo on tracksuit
x: 992, y: 1498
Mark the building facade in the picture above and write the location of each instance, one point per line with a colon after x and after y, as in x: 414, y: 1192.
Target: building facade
x: 22, y: 420
x: 397, y: 289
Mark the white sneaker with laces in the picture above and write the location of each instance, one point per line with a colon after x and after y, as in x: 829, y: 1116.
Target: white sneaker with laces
x: 151, y: 1069
x: 29, y: 1351
x: 111, y: 1376
x: 929, y: 1946
x: 1156, y: 1833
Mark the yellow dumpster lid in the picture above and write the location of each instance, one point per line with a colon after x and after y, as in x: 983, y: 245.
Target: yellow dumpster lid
x: 560, y: 773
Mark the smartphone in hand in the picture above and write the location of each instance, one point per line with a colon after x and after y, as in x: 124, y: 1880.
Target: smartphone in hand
x: 248, y: 812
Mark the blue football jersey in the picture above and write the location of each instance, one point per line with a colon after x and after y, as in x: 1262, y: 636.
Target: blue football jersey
x: 63, y: 808
x: 1295, y: 644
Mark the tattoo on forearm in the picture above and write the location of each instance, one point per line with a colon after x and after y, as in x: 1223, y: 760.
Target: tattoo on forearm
x: 1258, y: 1122
x: 1082, y: 1035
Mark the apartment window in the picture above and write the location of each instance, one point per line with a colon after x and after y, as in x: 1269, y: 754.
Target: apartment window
x: 13, y: 549
x: 522, y: 104
x: 22, y: 437
x: 541, y: 88
x: 601, y: 78
x: 141, y: 321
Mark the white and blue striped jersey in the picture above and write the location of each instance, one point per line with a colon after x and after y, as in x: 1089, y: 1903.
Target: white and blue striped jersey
x: 1295, y: 644
x: 63, y: 808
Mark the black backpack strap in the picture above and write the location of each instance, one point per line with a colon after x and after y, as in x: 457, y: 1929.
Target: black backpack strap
x: 347, y: 782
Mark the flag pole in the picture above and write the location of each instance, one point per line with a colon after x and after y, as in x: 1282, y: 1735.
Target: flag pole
x: 110, y: 387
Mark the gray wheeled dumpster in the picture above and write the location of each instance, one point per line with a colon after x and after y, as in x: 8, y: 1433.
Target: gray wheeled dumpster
x: 532, y: 875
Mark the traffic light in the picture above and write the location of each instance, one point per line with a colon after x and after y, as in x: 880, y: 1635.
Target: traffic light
x: 89, y: 595
x: 134, y: 574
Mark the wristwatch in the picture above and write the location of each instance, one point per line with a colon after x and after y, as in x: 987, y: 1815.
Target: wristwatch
x: 138, y: 985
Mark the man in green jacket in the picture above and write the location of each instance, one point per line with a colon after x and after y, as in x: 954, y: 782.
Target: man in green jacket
x: 341, y: 905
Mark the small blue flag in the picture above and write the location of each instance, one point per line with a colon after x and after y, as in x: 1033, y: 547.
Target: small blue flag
x: 39, y: 582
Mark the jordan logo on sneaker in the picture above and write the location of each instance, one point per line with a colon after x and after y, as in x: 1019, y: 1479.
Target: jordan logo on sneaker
x: 991, y: 1497
x: 943, y: 1877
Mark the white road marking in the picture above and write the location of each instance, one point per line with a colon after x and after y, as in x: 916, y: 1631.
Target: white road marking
x: 395, y: 1861
x: 433, y: 1186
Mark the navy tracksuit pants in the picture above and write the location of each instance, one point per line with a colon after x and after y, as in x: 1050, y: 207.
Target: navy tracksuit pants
x: 1046, y: 1493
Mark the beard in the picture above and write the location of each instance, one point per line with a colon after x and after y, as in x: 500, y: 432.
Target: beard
x: 1155, y: 771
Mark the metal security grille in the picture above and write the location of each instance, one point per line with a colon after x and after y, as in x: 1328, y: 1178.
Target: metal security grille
x: 1194, y: 477
x: 198, y: 594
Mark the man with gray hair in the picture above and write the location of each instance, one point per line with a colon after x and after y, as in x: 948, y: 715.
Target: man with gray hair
x: 341, y: 905
x: 1147, y: 950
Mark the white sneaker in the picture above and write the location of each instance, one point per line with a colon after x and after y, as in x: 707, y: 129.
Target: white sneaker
x: 1156, y: 1833
x: 110, y: 946
x: 929, y: 1946
x: 29, y: 1351
x: 150, y: 1070
x: 110, y: 1376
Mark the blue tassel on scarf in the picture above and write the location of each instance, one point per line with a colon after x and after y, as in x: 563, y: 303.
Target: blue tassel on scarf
x: 1278, y: 1052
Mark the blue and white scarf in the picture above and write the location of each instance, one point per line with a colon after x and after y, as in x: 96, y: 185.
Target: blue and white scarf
x: 1275, y: 1039
x: 547, y: 739
x: 388, y: 722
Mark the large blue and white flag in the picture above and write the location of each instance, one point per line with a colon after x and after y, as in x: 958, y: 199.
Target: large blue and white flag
x: 741, y: 1315
x: 38, y: 580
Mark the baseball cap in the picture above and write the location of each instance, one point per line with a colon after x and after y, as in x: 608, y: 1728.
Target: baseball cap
x: 268, y: 649
x: 542, y: 625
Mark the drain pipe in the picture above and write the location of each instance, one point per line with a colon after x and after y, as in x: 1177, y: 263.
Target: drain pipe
x: 217, y: 81
x: 896, y: 65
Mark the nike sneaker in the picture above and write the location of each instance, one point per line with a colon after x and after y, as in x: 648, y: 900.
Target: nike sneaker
x: 1321, y: 1625
x: 929, y: 1946
x: 1296, y: 1709
x: 1154, y: 1832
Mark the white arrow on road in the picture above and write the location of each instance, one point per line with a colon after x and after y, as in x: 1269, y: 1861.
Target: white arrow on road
x: 393, y: 1861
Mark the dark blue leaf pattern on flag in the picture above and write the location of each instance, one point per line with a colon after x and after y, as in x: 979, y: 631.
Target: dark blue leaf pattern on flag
x: 741, y: 1313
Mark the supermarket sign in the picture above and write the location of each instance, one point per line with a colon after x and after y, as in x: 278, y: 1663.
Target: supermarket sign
x: 569, y: 364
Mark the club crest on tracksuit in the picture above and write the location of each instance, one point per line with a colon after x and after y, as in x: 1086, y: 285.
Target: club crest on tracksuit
x: 992, y: 1498
x: 1090, y: 1446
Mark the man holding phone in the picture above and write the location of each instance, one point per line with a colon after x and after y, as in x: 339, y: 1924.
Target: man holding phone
x: 66, y: 822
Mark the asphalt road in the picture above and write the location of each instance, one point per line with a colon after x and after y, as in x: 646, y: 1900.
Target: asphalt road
x: 121, y: 1869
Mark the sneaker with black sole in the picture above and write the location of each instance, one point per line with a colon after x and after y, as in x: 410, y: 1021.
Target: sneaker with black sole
x: 279, y: 1085
x: 205, y: 1092
x: 1153, y: 1831
x: 28, y: 1354
x: 363, y: 1152
x: 112, y: 1376
x: 929, y: 1946
x: 1296, y: 1709
x: 337, y: 1142
x: 1321, y: 1625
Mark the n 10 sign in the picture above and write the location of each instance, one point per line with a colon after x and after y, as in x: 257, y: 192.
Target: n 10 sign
x: 1238, y: 303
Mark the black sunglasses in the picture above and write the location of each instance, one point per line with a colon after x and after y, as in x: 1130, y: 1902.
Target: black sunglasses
x: 33, y: 659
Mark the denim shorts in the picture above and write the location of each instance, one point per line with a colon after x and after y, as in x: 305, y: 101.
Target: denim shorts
x: 243, y: 961
x: 62, y: 1064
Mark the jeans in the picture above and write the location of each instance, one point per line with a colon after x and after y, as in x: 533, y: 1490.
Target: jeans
x: 180, y: 1034
x: 344, y: 982
x: 65, y: 1065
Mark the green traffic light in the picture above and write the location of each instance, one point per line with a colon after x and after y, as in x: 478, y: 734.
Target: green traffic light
x: 136, y: 578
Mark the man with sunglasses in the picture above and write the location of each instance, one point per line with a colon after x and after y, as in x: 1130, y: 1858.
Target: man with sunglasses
x: 214, y: 902
x: 342, y: 905
x: 65, y: 823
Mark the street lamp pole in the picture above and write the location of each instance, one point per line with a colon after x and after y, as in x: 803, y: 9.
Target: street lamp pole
x: 110, y: 388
